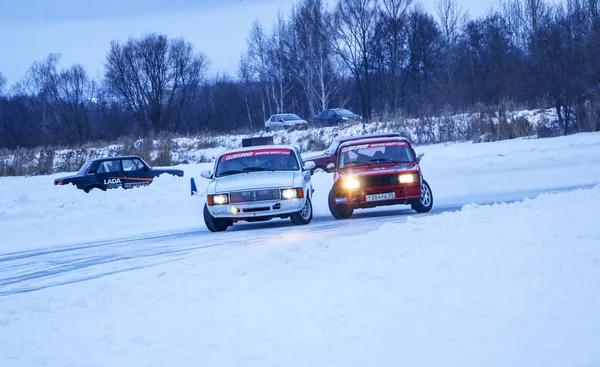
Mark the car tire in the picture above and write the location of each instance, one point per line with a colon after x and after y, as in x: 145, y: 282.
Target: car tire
x: 90, y: 188
x: 339, y: 211
x: 268, y: 129
x: 303, y: 216
x: 425, y: 203
x: 214, y: 224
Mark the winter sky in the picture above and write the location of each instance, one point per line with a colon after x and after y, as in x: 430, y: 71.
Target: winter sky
x: 81, y: 30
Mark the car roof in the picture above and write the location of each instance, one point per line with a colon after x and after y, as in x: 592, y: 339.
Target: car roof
x: 257, y: 147
x: 343, y: 139
x: 373, y: 140
x: 115, y: 158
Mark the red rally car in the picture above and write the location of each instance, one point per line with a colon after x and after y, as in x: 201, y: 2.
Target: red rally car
x: 377, y: 171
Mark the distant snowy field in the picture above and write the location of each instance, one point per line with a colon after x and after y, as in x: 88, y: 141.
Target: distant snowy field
x: 502, y: 285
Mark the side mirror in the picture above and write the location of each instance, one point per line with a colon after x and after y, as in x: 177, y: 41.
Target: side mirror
x: 419, y: 156
x: 206, y: 174
x: 308, y: 165
x: 330, y: 167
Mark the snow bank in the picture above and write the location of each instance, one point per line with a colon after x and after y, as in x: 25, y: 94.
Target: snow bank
x: 503, y: 285
x: 202, y: 148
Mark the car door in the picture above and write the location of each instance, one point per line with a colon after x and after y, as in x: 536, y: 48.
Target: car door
x: 135, y: 173
x: 331, y: 117
x: 278, y: 122
x: 110, y: 174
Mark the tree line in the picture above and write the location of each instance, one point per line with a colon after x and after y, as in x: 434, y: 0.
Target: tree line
x: 380, y: 58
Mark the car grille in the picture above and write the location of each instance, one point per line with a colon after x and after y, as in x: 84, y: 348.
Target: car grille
x: 254, y: 195
x: 384, y: 180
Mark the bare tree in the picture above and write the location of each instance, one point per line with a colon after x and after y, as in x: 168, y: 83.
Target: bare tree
x: 391, y: 40
x: 155, y: 77
x: 452, y: 17
x: 355, y: 22
x: 312, y: 54
x: 67, y: 95
x: 257, y: 58
x: 279, y: 63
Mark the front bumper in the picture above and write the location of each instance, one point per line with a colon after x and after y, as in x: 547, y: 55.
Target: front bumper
x: 403, y: 194
x: 260, y: 209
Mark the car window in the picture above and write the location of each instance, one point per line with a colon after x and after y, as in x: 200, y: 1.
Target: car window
x: 83, y: 170
x: 132, y: 165
x: 109, y: 166
x: 290, y: 117
x: 342, y: 111
x: 364, y: 154
x: 275, y: 159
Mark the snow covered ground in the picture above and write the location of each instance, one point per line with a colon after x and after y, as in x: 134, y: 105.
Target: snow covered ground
x: 34, y: 213
x: 132, y: 278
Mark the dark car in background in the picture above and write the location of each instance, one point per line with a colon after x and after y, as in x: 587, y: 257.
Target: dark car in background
x: 330, y: 155
x: 114, y: 172
x: 335, y: 116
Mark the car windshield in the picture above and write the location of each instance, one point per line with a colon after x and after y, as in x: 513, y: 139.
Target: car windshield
x: 375, y: 153
x: 256, y: 160
x: 83, y: 170
x: 290, y: 117
x: 333, y: 147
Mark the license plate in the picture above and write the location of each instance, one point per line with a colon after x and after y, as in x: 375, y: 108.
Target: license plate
x: 378, y: 197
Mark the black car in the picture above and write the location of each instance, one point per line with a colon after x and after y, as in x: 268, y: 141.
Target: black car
x: 335, y: 116
x: 114, y: 172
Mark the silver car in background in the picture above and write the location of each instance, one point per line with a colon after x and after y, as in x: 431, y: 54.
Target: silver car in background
x: 284, y: 121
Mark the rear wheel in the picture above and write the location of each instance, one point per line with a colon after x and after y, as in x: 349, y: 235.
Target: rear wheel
x: 425, y: 203
x: 90, y: 188
x: 304, y: 216
x: 339, y: 211
x: 214, y: 224
x: 267, y: 129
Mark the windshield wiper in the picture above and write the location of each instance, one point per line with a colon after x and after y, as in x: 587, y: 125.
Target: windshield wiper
x: 386, y: 160
x: 227, y: 173
x: 356, y: 163
x: 253, y: 169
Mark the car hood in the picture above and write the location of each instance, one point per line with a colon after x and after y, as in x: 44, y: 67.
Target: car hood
x: 67, y: 178
x: 380, y: 169
x: 255, y: 180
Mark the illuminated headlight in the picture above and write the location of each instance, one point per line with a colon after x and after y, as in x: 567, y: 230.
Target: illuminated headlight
x: 350, y: 183
x: 407, y: 178
x: 220, y: 199
x: 288, y: 194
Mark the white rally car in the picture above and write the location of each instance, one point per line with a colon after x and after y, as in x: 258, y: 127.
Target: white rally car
x: 258, y: 183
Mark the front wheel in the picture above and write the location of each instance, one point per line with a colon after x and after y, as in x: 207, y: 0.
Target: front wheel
x: 425, y: 203
x: 214, y: 224
x: 305, y: 215
x: 339, y: 211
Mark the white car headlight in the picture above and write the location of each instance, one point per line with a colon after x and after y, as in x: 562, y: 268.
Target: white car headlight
x: 406, y: 178
x: 288, y: 194
x: 220, y: 199
x: 350, y: 183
